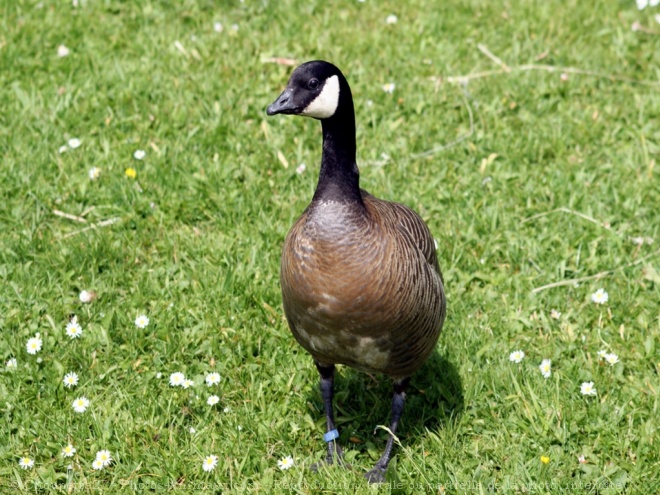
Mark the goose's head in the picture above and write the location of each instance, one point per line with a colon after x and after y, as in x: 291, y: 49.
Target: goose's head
x: 315, y: 89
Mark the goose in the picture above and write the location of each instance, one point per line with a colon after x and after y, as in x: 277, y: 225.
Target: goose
x: 360, y: 280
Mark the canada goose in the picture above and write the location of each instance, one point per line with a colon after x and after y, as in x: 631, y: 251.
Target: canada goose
x: 360, y: 279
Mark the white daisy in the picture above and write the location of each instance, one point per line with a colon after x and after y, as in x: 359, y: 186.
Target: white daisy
x: 104, y: 456
x: 213, y: 400
x: 389, y: 87
x: 218, y: 27
x: 210, y: 463
x: 141, y: 321
x: 11, y: 364
x: 301, y: 168
x: 80, y: 404
x: 94, y: 174
x: 97, y: 464
x: 177, y: 379
x: 601, y: 354
x: 516, y: 356
x: 159, y: 375
x: 642, y: 4
x: 545, y: 368
x: 192, y: 430
x: 62, y: 51
x: 285, y: 462
x: 187, y: 383
x: 87, y: 296
x: 139, y: 154
x: 73, y: 329
x: 26, y: 463
x: 391, y: 19
x: 226, y: 410
x: 554, y: 314
x: 611, y: 358
x: 74, y: 143
x: 68, y: 451
x: 70, y: 379
x: 587, y: 388
x: 34, y: 344
x: 600, y: 296
x: 212, y: 379
x: 62, y: 149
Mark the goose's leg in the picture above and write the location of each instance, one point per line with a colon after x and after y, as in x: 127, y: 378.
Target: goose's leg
x: 327, y: 392
x: 377, y: 474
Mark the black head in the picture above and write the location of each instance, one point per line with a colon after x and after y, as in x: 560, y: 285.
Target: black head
x: 315, y: 89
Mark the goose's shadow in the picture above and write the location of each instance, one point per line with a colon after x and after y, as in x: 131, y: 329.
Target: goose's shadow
x: 362, y: 402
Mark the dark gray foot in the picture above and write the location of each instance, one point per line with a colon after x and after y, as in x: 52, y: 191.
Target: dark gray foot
x: 376, y: 475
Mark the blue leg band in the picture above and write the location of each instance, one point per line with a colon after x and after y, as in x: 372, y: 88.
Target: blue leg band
x: 331, y: 435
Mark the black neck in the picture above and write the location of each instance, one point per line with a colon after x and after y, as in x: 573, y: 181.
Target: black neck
x: 339, y: 178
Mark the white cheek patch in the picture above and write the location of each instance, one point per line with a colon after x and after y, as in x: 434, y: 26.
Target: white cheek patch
x: 325, y: 104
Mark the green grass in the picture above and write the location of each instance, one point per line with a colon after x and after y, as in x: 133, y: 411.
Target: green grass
x: 197, y: 247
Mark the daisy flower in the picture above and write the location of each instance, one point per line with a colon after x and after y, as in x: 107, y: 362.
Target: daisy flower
x: 516, y: 356
x: 226, y: 410
x: 210, y: 463
x: 34, y: 344
x: 87, y: 296
x: 177, y: 379
x: 94, y: 173
x: 74, y: 143
x: 68, y: 451
x: 212, y: 378
x: 554, y: 314
x: 218, y: 27
x: 301, y: 168
x: 73, y: 329
x: 187, y: 383
x: 104, y: 456
x: 601, y: 354
x: 642, y: 4
x: 611, y: 358
x: 192, y: 430
x: 141, y: 321
x: 11, y: 364
x: 97, y: 464
x: 139, y: 154
x: 587, y: 388
x: 213, y: 400
x: 70, y: 379
x: 62, y: 51
x: 285, y: 463
x: 545, y: 368
x: 391, y: 19
x: 62, y: 149
x: 130, y: 173
x: 80, y: 404
x: 26, y: 463
x: 389, y: 88
x: 600, y: 296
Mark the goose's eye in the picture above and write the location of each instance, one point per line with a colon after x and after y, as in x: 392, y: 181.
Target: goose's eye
x: 313, y: 83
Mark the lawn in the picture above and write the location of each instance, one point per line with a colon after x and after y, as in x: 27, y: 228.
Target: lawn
x: 526, y: 134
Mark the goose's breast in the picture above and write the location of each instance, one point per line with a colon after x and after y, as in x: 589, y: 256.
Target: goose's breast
x: 354, y: 298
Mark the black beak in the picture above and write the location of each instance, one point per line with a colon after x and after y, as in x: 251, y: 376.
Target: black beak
x: 283, y: 104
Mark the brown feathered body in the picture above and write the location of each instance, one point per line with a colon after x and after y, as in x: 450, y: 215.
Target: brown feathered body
x: 361, y: 285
